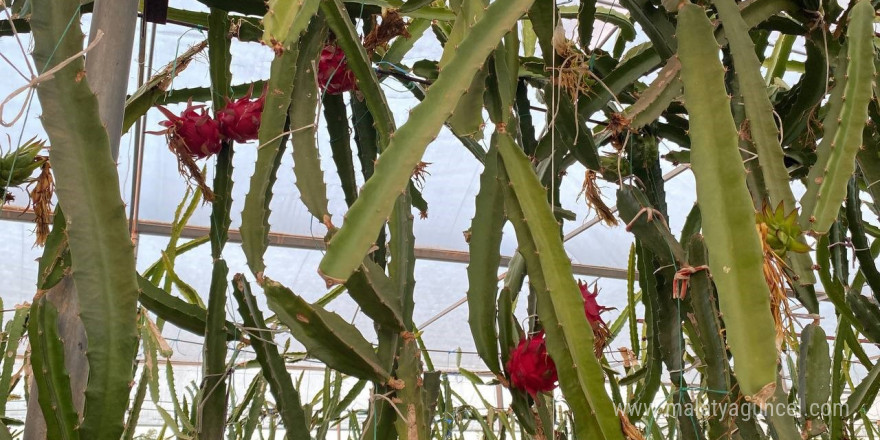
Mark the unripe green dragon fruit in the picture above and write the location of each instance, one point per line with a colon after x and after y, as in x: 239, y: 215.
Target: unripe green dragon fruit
x: 17, y: 166
x: 783, y: 231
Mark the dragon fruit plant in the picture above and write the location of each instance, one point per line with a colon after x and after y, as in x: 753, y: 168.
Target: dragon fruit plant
x: 530, y: 367
x: 671, y: 86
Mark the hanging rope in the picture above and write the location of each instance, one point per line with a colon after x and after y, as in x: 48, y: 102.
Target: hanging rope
x: 45, y: 76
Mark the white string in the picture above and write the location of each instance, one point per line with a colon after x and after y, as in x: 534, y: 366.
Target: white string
x: 17, y: 39
x: 285, y: 133
x: 45, y: 76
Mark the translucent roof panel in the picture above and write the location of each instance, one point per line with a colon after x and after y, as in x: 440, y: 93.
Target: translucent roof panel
x: 451, y: 186
x: 450, y: 189
x: 18, y: 270
x: 28, y: 126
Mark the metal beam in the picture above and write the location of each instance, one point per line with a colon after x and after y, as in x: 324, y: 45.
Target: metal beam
x: 317, y: 243
x: 14, y: 213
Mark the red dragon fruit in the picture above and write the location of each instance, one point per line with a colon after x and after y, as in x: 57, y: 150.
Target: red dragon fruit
x: 194, y: 133
x: 591, y: 307
x: 594, y: 315
x: 240, y: 119
x: 530, y: 367
x: 334, y: 76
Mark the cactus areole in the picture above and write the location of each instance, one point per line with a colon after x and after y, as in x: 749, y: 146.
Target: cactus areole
x: 531, y: 368
x: 334, y: 76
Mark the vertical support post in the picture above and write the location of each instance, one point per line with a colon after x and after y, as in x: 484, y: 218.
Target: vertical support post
x: 108, y: 64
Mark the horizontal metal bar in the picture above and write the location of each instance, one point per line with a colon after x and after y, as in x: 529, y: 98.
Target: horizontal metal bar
x: 148, y: 227
x: 317, y: 243
x: 595, y: 220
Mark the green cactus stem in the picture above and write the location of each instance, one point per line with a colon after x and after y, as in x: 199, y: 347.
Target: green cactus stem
x: 401, y: 247
x: 709, y: 332
x: 359, y: 63
x: 377, y: 295
x: 827, y: 181
x: 325, y: 334
x: 272, y: 140
x: 728, y: 217
x: 761, y: 122
x: 55, y: 262
x: 560, y: 304
x: 303, y: 115
x: 336, y: 115
x: 835, y: 422
x: 652, y: 357
x: 415, y: 423
x: 865, y: 392
x: 485, y: 252
x: 13, y: 333
x: 285, y: 20
x: 273, y: 367
x: 861, y: 247
x: 97, y: 227
x: 657, y: 97
x: 348, y: 247
x: 867, y: 315
x: 182, y: 314
x: 213, y: 387
x: 814, y: 372
x: 50, y: 374
x: 467, y: 118
x: 667, y: 86
x: 809, y: 92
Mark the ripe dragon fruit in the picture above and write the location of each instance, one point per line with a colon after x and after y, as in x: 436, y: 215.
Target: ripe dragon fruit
x: 334, y: 76
x: 591, y: 307
x: 530, y: 367
x: 240, y: 119
x: 193, y: 133
x: 594, y: 311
